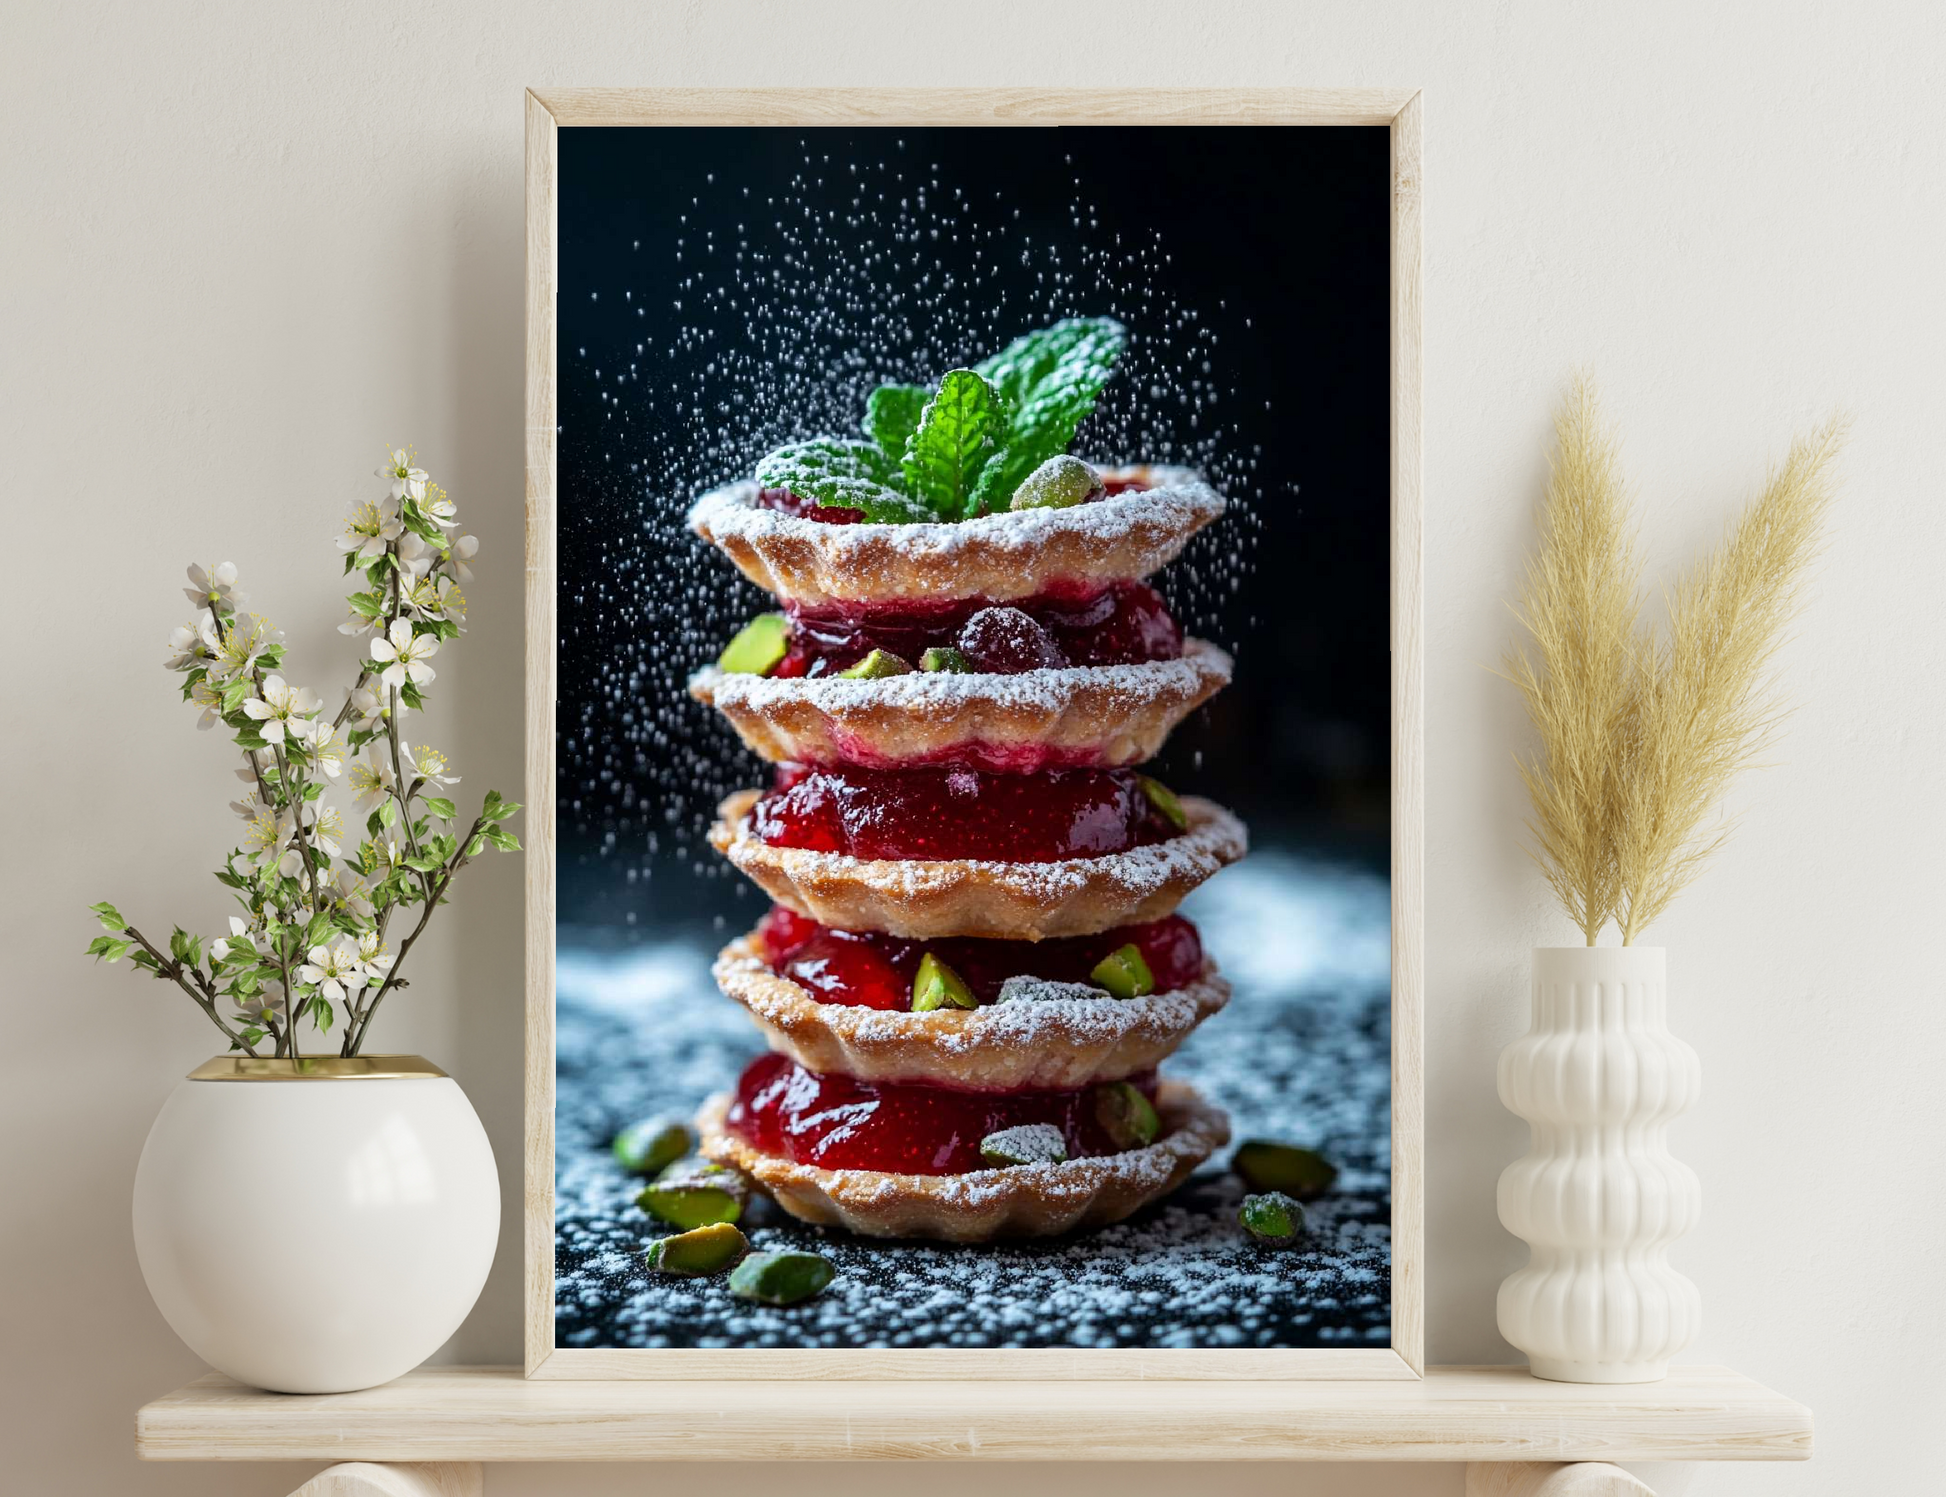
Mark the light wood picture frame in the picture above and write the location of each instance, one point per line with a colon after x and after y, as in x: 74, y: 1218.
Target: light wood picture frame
x: 548, y: 112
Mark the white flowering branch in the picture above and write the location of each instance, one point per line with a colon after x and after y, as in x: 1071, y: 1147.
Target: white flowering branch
x: 311, y: 942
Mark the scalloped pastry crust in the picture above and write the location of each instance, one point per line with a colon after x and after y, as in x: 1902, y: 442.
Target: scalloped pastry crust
x: 1033, y: 1200
x: 1003, y: 556
x: 1081, y: 715
x: 922, y: 899
x: 1020, y: 1046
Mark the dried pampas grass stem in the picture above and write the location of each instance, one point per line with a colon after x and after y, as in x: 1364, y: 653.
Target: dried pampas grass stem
x: 1579, y: 606
x: 1640, y: 734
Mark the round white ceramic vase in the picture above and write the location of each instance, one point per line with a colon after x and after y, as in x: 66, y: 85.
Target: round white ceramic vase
x: 1598, y: 1197
x: 317, y: 1226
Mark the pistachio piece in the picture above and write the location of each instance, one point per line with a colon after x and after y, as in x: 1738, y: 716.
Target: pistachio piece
x: 873, y: 666
x: 1124, y: 973
x: 652, y: 1145
x: 1128, y: 1117
x: 1164, y: 800
x: 758, y: 646
x: 780, y: 1278
x: 936, y: 985
x: 1302, y: 1173
x: 945, y: 658
x: 1272, y: 1218
x: 692, y: 1193
x: 1029, y: 1143
x: 702, y: 1251
x: 1057, y: 483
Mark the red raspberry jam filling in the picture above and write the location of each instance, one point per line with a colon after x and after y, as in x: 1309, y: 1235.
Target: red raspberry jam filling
x: 837, y: 1123
x: 960, y: 813
x: 785, y: 502
x: 1122, y: 624
x: 869, y: 969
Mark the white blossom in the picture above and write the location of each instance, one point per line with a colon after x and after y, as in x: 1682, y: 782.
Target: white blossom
x: 282, y: 709
x: 371, y: 527
x: 210, y: 699
x: 267, y: 1005
x: 263, y: 838
x: 327, y: 828
x: 416, y: 558
x: 459, y: 551
x: 370, y: 708
x: 213, y: 587
x: 377, y: 961
x: 348, y: 893
x: 192, y: 644
x: 326, y: 744
x: 426, y: 765
x: 403, y: 655
x: 408, y: 482
x: 435, y: 506
x: 242, y: 644
x: 371, y: 780
x: 334, y: 969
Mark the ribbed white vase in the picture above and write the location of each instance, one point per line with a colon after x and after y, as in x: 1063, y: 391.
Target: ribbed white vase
x: 1599, y: 1198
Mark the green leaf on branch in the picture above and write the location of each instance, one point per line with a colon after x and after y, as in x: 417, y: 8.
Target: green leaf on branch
x: 235, y: 692
x: 844, y: 473
x: 497, y: 809
x: 503, y: 839
x: 250, y: 738
x: 107, y: 948
x: 388, y: 812
x: 322, y: 1014
x: 179, y: 944
x: 412, y: 697
x: 475, y: 847
x: 425, y: 862
x: 961, y: 427
x: 146, y: 962
x: 374, y: 824
x: 892, y: 415
x: 366, y: 605
x: 109, y: 916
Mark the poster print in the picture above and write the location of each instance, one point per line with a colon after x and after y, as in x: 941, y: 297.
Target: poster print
x: 972, y: 739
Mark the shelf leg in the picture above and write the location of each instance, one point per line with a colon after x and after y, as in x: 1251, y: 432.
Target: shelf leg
x: 369, y: 1479
x: 1551, y: 1479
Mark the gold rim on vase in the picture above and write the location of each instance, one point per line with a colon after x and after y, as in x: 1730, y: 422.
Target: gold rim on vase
x: 317, y: 1068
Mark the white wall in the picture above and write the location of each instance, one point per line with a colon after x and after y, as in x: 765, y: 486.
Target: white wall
x: 242, y: 245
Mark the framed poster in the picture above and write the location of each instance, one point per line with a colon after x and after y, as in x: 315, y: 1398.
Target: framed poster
x: 973, y: 735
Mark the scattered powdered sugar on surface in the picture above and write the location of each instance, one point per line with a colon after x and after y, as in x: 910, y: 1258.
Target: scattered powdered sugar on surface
x: 1303, y: 1054
x: 1043, y: 690
x: 1047, y: 990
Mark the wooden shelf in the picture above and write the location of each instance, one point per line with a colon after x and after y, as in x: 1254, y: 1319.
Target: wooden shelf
x: 1455, y: 1414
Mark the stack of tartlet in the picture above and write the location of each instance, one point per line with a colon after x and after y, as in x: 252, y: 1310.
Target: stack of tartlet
x: 973, y: 966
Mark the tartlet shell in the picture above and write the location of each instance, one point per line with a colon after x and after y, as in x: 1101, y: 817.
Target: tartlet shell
x: 1001, y: 1047
x: 1081, y: 715
x: 1011, y: 554
x: 1035, y: 1200
x: 922, y: 899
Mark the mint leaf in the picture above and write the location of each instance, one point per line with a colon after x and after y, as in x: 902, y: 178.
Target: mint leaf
x: 892, y: 415
x: 848, y: 474
x: 961, y: 427
x: 1051, y: 379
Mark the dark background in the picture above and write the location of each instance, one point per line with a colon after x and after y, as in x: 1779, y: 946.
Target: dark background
x: 727, y: 290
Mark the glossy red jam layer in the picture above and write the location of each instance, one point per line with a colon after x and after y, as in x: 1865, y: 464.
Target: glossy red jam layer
x: 785, y: 502
x: 837, y: 1123
x: 869, y: 969
x: 1121, y: 624
x: 960, y: 813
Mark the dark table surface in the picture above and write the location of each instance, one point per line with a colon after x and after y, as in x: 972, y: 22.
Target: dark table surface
x: 1301, y: 1054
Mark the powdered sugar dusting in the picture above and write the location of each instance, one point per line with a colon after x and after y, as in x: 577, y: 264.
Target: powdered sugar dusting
x: 920, y: 691
x: 1046, y: 990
